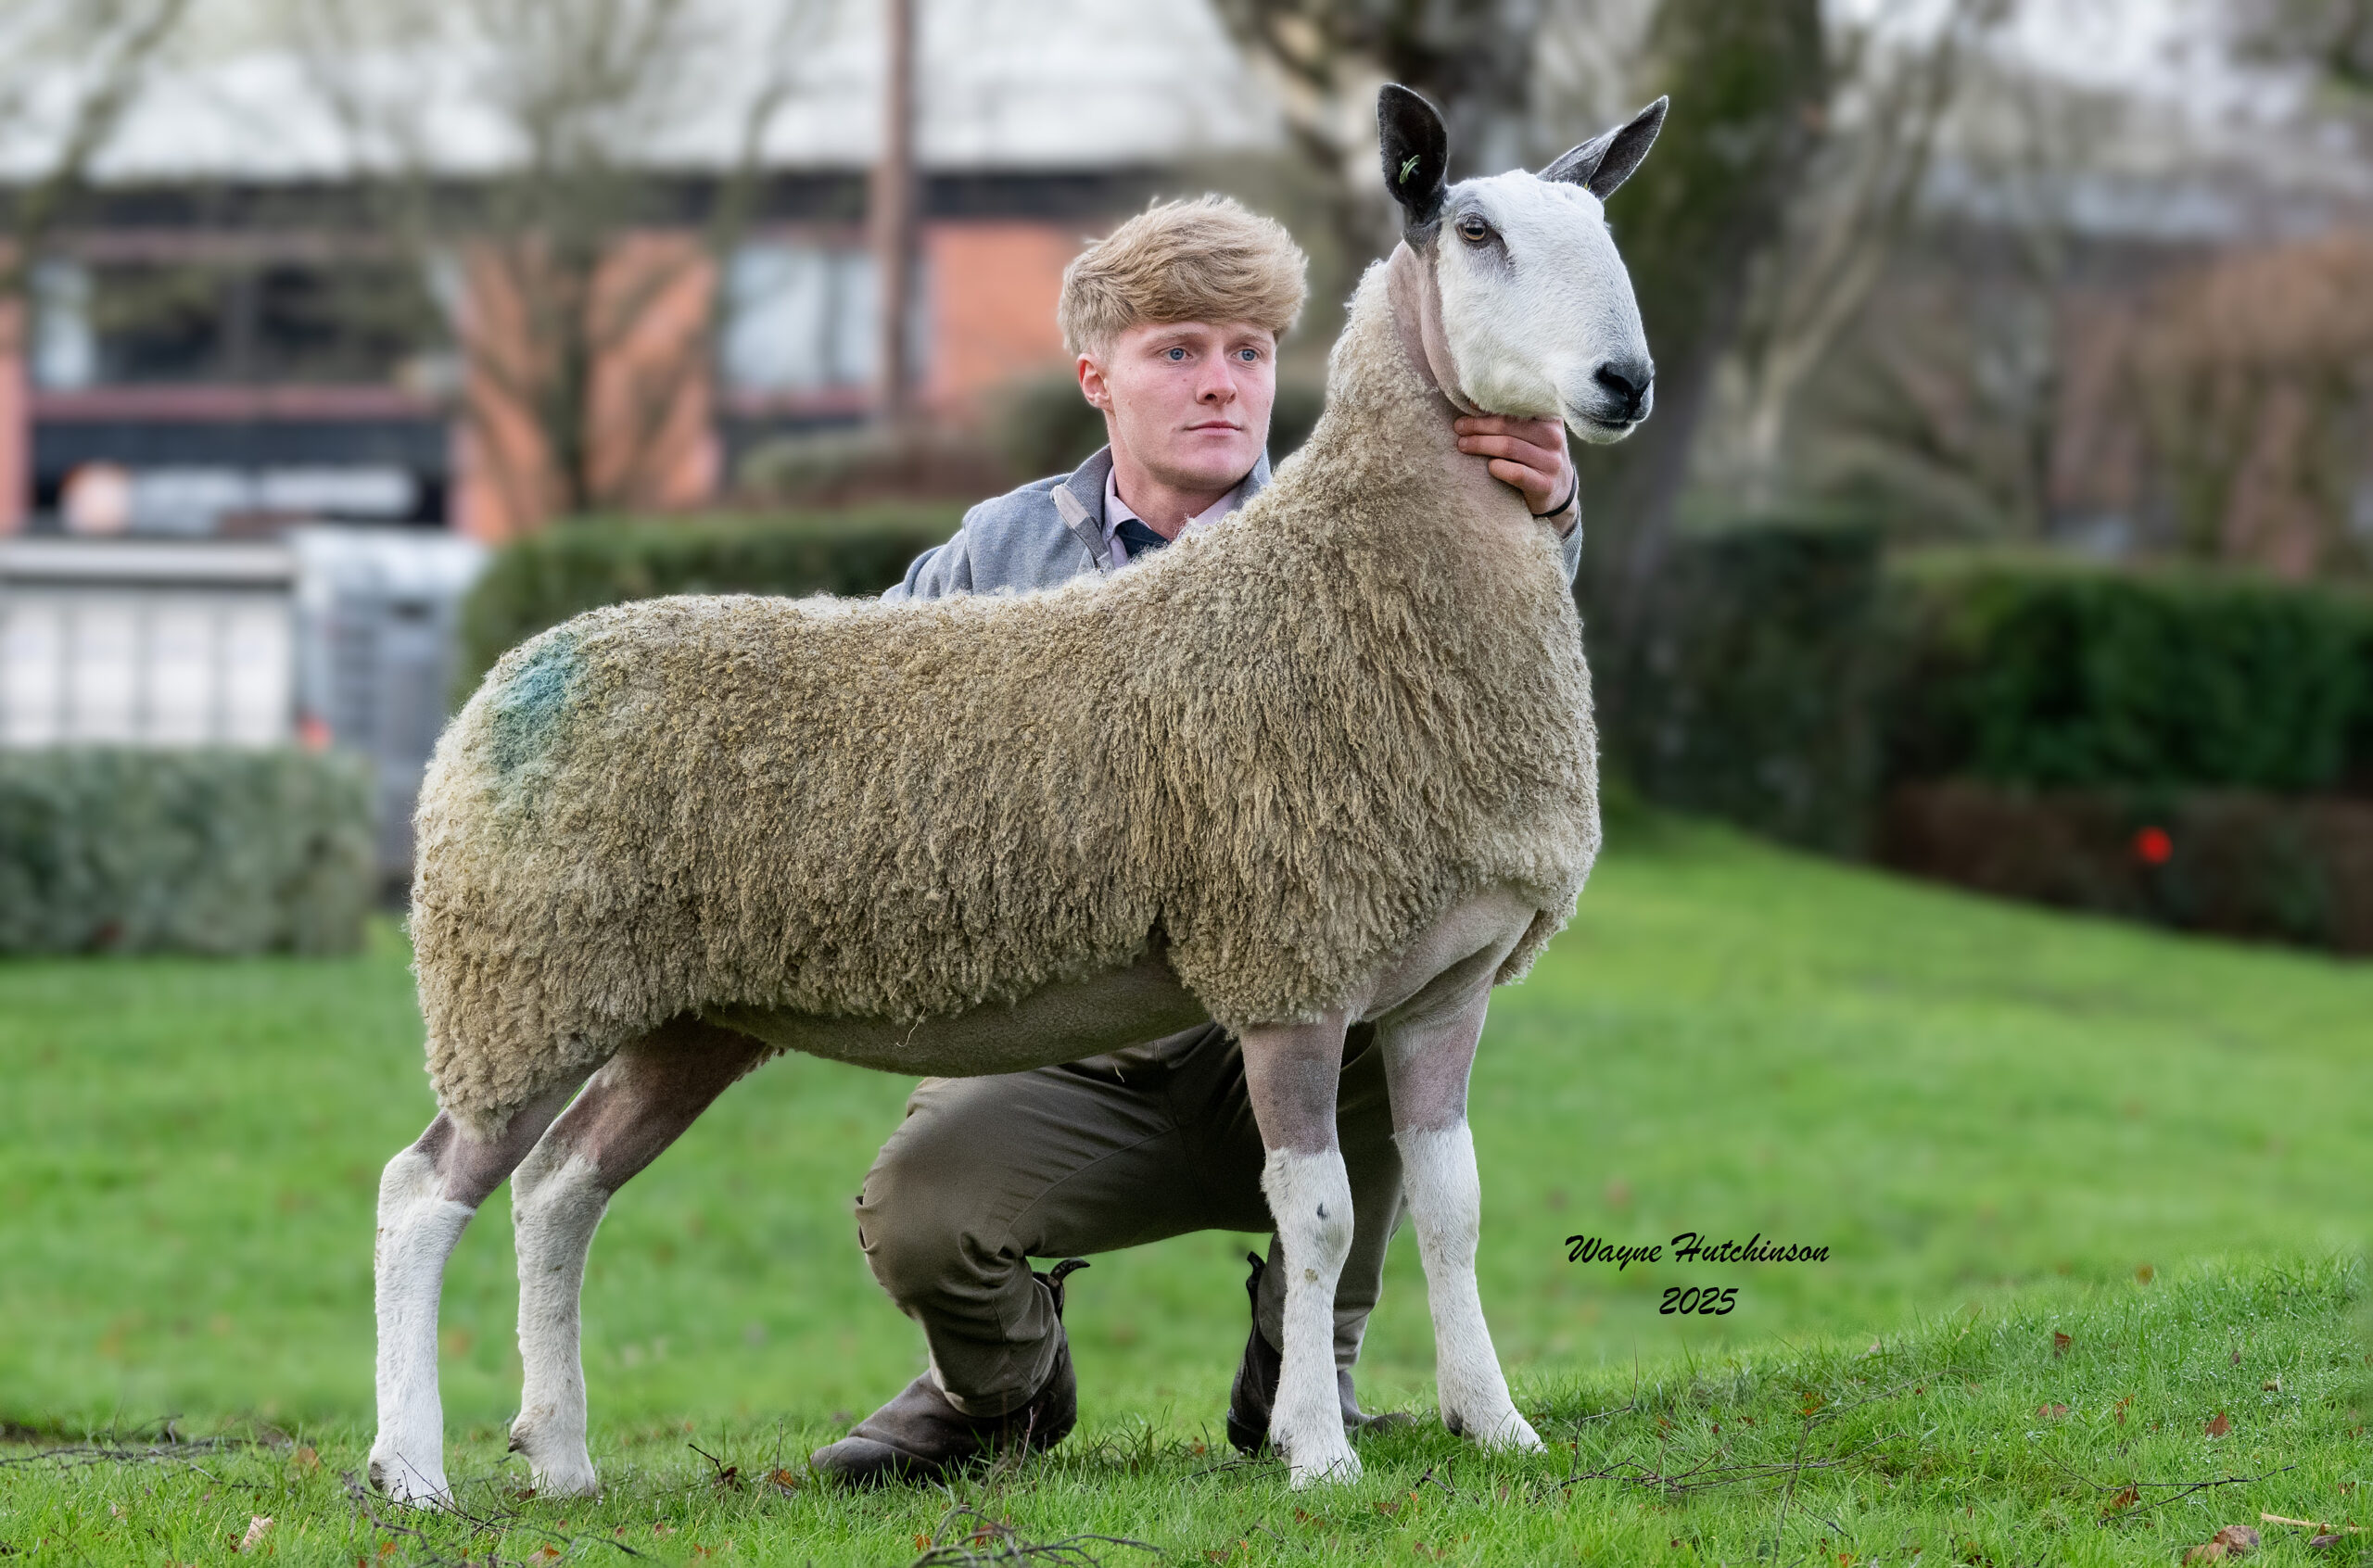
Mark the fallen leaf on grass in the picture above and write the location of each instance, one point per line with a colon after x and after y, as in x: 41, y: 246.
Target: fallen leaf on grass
x: 663, y: 1530
x: 2124, y: 1500
x: 547, y: 1553
x: 2051, y: 1412
x: 2272, y: 1386
x: 306, y: 1460
x: 2218, y: 1426
x: 785, y: 1479
x: 2234, y: 1540
x: 2059, y: 1343
x: 2325, y: 1543
x: 2121, y: 1409
x: 258, y: 1526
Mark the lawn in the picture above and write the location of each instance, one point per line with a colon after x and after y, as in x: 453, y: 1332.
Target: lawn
x: 1995, y: 1121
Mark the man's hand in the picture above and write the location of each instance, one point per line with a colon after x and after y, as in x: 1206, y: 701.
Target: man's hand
x: 1526, y: 453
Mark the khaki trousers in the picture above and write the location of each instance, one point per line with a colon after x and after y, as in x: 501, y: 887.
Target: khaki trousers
x: 987, y: 1173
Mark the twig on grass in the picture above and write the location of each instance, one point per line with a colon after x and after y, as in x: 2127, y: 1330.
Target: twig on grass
x: 358, y: 1497
x: 2175, y: 1489
x: 1002, y: 1543
x: 1788, y: 1495
x: 729, y: 1476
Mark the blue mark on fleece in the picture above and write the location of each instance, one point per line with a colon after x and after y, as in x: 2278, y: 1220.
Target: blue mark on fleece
x: 531, y: 701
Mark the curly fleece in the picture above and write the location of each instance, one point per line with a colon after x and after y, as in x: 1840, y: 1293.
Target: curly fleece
x: 1284, y: 746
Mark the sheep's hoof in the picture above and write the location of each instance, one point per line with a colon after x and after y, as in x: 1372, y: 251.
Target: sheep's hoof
x: 1502, y: 1431
x: 564, y: 1474
x: 1323, y: 1460
x: 567, y: 1480
x: 409, y: 1484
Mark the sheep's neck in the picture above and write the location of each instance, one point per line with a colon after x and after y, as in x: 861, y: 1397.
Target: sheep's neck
x: 1416, y: 299
x: 1413, y: 298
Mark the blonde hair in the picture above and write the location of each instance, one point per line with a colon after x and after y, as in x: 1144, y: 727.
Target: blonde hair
x: 1208, y: 260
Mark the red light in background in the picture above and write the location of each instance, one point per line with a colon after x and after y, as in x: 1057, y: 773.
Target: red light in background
x: 2152, y: 847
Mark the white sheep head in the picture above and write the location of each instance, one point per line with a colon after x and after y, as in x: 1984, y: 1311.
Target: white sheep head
x: 1537, y: 308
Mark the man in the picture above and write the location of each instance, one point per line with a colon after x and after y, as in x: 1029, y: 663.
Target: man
x: 1173, y: 322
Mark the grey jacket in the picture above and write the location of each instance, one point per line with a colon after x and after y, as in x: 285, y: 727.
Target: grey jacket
x: 1048, y: 532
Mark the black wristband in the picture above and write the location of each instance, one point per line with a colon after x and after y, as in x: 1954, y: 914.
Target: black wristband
x: 1572, y: 495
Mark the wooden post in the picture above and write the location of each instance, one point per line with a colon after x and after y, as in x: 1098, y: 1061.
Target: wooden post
x: 893, y: 215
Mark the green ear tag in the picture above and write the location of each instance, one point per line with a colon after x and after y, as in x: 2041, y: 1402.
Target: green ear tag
x: 1408, y: 167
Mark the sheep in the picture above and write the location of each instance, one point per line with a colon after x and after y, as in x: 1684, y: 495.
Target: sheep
x: 1330, y: 761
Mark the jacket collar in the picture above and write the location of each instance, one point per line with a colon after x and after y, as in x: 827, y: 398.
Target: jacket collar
x: 1079, y: 501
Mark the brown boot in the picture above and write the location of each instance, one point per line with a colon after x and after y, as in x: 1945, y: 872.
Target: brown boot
x: 920, y: 1435
x: 1255, y: 1393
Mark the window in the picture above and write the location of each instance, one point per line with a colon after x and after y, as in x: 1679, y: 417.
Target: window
x: 799, y: 318
x: 142, y: 323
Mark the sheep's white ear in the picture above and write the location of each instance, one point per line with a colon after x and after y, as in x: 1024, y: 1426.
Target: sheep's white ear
x: 1604, y: 162
x: 1416, y: 154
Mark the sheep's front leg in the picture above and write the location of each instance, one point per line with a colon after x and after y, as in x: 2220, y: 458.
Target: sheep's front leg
x: 1292, y: 1073
x: 1428, y: 1058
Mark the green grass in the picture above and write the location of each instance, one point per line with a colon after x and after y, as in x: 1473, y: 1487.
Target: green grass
x: 1992, y: 1118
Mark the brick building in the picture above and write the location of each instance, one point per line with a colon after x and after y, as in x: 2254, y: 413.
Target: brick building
x: 221, y: 339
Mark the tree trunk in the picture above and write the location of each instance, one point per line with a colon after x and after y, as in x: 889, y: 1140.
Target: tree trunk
x: 1748, y: 85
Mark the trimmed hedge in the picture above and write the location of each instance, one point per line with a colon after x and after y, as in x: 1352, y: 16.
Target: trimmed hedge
x: 570, y: 567
x: 2013, y: 723
x: 2234, y: 862
x: 214, y: 850
x: 1750, y: 693
x: 2062, y: 675
x: 1784, y: 678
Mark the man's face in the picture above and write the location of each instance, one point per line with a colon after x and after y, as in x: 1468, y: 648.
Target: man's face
x: 1189, y: 400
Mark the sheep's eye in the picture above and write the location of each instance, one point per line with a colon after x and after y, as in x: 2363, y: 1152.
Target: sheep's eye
x: 1473, y: 230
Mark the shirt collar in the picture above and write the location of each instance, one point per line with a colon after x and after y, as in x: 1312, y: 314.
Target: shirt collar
x: 1116, y: 509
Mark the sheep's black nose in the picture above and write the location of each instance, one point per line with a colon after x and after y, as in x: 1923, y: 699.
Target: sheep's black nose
x: 1626, y: 381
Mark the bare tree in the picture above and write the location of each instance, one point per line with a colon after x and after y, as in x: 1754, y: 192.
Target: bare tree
x: 2333, y: 36
x: 580, y: 276
x: 2254, y: 377
x: 1894, y: 80
x: 1325, y: 59
x: 1970, y: 392
x: 69, y: 71
x: 1750, y: 87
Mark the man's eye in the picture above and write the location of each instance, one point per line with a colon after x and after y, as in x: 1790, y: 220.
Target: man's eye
x: 1174, y: 355
x: 1248, y: 355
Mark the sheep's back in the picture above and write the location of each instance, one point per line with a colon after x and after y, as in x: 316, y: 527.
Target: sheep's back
x: 837, y: 807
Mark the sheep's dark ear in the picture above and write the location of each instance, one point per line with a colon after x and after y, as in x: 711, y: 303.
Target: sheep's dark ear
x: 1416, y: 153
x: 1601, y: 163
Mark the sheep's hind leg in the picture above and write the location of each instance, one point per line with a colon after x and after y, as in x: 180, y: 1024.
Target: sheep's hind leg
x: 638, y: 1102
x: 426, y: 1196
x: 1291, y: 1072
x: 1427, y: 1058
